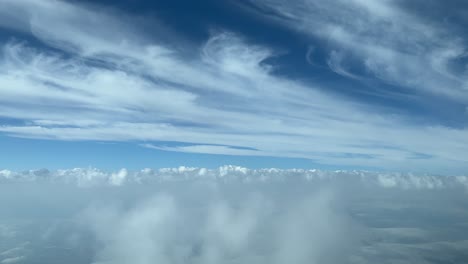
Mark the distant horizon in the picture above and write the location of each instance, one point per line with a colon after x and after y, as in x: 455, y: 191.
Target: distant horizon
x: 235, y: 166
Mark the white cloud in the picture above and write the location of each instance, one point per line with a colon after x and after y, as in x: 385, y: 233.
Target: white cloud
x: 12, y: 260
x: 335, y: 63
x: 209, y: 149
x: 118, y: 84
x: 119, y: 177
x: 239, y: 230
x: 231, y: 214
x: 89, y: 177
x: 392, y: 43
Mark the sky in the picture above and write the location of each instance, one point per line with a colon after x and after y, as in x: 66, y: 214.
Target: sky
x: 375, y: 85
x: 233, y: 132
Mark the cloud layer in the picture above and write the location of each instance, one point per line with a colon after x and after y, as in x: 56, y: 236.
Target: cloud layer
x: 89, y: 177
x: 231, y: 215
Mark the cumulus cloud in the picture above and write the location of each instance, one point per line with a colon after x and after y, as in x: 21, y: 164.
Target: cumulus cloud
x: 89, y: 177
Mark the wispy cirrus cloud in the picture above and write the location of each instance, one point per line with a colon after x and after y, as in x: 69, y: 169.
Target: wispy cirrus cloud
x: 116, y: 83
x: 391, y: 42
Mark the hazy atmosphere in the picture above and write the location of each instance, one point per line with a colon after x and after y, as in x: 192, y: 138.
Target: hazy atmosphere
x: 345, y: 123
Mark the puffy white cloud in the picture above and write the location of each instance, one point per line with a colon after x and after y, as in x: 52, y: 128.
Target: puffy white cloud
x: 119, y: 177
x: 88, y: 177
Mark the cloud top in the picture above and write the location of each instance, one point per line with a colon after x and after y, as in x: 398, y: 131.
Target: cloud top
x: 88, y: 177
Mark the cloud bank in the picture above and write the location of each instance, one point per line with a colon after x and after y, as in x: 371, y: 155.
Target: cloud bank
x: 89, y: 177
x: 231, y: 215
x: 250, y: 232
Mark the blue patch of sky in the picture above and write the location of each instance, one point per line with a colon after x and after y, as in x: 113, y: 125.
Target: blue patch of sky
x: 24, y: 154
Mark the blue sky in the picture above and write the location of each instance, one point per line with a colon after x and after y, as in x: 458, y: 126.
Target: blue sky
x: 379, y: 85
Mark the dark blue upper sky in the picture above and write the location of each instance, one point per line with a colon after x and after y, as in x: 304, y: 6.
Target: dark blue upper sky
x: 270, y: 83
